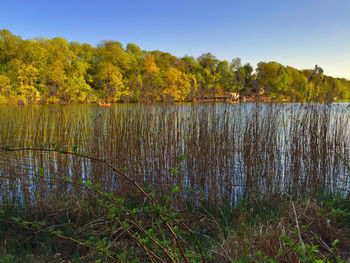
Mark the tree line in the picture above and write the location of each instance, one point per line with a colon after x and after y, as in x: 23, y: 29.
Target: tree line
x: 54, y: 70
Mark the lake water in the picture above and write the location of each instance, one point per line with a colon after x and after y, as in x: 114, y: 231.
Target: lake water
x: 228, y: 150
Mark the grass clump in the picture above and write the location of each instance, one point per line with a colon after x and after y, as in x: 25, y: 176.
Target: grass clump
x: 281, y: 230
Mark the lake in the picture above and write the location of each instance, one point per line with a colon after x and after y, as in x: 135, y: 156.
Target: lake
x: 226, y: 151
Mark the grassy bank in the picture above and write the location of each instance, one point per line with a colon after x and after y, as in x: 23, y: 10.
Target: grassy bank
x: 80, y: 228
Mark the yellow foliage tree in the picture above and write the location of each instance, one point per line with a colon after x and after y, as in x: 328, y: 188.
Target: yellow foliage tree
x: 56, y: 83
x: 110, y: 80
x: 149, y: 65
x: 5, y: 89
x: 27, y: 76
x: 178, y: 85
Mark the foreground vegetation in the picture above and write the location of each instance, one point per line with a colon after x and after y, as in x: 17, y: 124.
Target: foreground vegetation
x: 86, y: 224
x: 183, y: 183
x: 75, y: 230
x: 55, y: 71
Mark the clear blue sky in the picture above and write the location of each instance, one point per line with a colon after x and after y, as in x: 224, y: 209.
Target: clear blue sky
x: 300, y: 33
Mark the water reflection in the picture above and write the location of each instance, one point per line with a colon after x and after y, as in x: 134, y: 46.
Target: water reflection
x: 232, y: 151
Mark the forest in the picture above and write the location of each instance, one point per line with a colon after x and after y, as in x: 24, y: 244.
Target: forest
x: 48, y: 71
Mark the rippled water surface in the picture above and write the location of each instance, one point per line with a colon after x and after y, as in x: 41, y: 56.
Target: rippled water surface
x: 230, y: 150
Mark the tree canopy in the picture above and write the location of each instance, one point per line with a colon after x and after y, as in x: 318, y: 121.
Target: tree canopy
x: 57, y: 71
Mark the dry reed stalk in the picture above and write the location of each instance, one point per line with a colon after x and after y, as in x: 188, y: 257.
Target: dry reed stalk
x: 263, y: 149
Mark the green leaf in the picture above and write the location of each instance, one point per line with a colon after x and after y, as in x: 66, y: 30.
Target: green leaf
x: 335, y: 242
x: 57, y: 232
x: 88, y: 183
x: 181, y: 158
x: 40, y: 171
x: 167, y: 198
x: 176, y: 189
x: 174, y: 170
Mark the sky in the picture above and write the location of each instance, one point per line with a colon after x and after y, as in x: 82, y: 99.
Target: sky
x: 299, y: 33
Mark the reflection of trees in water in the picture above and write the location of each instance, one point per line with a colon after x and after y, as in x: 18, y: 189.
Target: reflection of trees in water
x: 231, y: 151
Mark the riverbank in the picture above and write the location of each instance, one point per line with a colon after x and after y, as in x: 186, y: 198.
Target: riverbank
x: 212, y: 99
x: 75, y: 229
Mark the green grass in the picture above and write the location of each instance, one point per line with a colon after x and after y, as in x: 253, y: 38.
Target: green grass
x: 249, y: 231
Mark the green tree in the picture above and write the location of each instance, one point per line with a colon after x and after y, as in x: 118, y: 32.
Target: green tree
x: 226, y: 75
x: 273, y: 78
x: 56, y: 71
x: 179, y: 86
x: 110, y: 81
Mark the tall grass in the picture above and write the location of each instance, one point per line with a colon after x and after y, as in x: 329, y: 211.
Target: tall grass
x: 232, y: 151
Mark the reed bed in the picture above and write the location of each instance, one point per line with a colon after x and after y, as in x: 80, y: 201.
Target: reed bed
x: 250, y: 151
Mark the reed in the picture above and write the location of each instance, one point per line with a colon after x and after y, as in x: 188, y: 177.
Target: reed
x: 232, y: 151
x: 201, y: 156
